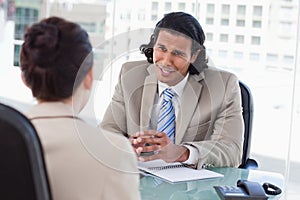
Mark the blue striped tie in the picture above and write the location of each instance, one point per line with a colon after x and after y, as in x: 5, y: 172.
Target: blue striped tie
x: 166, y: 119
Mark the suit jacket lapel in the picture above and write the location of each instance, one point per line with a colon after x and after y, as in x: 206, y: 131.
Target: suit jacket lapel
x: 188, y: 104
x: 149, y: 91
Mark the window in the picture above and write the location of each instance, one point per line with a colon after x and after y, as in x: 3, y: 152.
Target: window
x: 239, y: 39
x: 288, y: 59
x: 224, y: 22
x: 272, y: 57
x: 168, y: 6
x: 90, y: 27
x: 181, y: 6
x: 209, y: 21
x: 209, y: 36
x: 24, y: 17
x: 154, y: 17
x: 238, y: 55
x: 195, y: 7
x: 241, y: 10
x: 286, y: 12
x: 257, y: 11
x: 240, y: 22
x: 287, y: 28
x: 154, y: 6
x: 225, y: 9
x: 17, y: 50
x: 255, y: 40
x: 210, y: 8
x: 223, y: 37
x: 20, y: 30
x: 254, y: 56
x: 256, y: 24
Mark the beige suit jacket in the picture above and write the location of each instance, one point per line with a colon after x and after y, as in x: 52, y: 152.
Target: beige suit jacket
x: 210, y: 115
x: 82, y: 162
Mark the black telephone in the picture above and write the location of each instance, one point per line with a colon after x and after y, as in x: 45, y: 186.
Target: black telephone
x: 244, y: 190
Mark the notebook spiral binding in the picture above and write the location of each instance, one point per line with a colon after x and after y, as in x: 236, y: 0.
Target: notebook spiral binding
x: 165, y: 167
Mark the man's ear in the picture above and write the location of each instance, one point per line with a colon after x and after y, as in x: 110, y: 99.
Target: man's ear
x: 195, y: 55
x: 88, y: 79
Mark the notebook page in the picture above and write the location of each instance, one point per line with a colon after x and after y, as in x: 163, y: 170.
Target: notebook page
x: 175, y: 172
x: 151, y: 165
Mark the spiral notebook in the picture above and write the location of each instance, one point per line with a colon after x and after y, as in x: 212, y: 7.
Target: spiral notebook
x: 175, y: 172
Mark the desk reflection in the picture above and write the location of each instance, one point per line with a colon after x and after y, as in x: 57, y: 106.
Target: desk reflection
x: 155, y: 188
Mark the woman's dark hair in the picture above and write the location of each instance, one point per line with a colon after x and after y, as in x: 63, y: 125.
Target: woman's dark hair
x: 53, y: 52
x: 187, y: 25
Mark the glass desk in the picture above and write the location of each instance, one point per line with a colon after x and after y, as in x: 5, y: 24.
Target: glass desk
x: 155, y: 188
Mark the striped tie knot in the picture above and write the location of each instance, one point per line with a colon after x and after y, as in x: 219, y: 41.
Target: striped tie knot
x: 168, y: 94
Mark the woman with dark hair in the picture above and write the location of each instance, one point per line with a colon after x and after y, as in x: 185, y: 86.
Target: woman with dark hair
x: 82, y: 162
x: 176, y: 107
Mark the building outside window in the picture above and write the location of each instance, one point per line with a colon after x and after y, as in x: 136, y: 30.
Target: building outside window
x: 23, y: 18
x: 91, y: 26
x: 210, y: 8
x: 241, y: 10
x: 240, y: 22
x: 255, y: 40
x: 154, y: 6
x: 272, y: 57
x: 224, y: 22
x: 181, y: 6
x: 168, y: 6
x: 286, y: 27
x: 223, y: 37
x: 225, y: 9
x: 256, y: 24
x: 195, y: 7
x: 239, y: 39
x: 209, y: 21
x: 254, y: 56
x: 257, y: 11
x: 288, y: 59
x: 154, y: 17
x: 238, y: 55
x: 209, y: 36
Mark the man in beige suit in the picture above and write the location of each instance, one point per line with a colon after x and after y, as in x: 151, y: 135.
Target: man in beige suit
x: 82, y: 162
x: 207, y: 102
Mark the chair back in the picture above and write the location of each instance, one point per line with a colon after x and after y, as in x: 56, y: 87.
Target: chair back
x: 247, y: 104
x: 22, y: 169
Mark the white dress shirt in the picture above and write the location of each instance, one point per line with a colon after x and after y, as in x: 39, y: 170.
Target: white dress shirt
x: 178, y: 90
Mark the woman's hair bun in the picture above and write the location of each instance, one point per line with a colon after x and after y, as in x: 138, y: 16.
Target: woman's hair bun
x: 42, y: 41
x: 43, y: 36
x: 55, y: 57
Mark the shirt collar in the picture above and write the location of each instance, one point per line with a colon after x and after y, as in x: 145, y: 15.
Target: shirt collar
x: 178, y: 88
